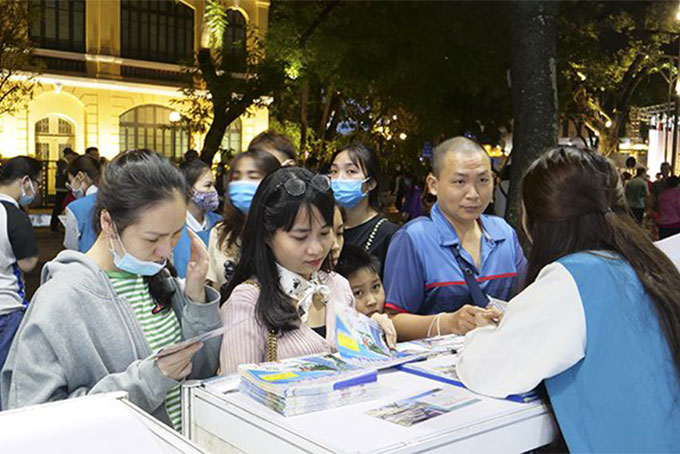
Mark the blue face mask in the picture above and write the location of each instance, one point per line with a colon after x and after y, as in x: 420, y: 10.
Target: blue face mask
x: 348, y: 192
x: 132, y: 264
x: 26, y: 199
x: 241, y: 194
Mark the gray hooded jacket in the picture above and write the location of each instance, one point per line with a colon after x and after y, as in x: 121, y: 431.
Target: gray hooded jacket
x: 79, y: 338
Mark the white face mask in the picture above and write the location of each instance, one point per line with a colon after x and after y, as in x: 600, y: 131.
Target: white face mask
x: 132, y: 264
x: 78, y: 191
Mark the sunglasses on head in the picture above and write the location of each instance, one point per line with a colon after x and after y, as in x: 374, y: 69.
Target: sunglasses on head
x: 297, y: 186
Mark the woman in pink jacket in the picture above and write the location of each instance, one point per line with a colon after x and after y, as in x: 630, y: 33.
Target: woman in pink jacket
x: 668, y: 207
x: 281, y: 301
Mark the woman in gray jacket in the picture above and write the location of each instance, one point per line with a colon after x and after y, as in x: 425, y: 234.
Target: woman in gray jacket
x: 98, y: 317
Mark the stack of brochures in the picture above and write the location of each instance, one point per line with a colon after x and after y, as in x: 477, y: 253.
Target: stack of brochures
x: 311, y: 383
x: 443, y: 368
x: 432, y: 346
x: 360, y: 342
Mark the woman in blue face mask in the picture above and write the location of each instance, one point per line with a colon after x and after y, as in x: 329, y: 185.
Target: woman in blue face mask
x: 201, y: 215
x: 355, y: 174
x: 97, y: 319
x: 19, y: 183
x: 246, y: 170
x: 83, y: 176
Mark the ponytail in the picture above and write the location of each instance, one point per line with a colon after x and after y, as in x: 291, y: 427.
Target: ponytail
x: 575, y: 202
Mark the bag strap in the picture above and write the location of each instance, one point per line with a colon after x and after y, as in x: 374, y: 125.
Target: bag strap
x: 272, y: 347
x: 479, y: 298
x: 374, y: 232
x: 272, y: 343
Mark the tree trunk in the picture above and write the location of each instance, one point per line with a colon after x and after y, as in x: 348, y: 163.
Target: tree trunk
x: 534, y: 91
x: 608, y: 143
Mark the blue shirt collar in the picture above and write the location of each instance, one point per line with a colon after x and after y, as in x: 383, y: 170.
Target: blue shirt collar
x: 448, y: 236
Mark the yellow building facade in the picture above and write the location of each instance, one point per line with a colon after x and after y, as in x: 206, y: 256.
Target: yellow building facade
x: 111, y: 74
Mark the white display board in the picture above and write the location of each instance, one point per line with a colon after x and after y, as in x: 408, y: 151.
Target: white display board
x: 102, y: 424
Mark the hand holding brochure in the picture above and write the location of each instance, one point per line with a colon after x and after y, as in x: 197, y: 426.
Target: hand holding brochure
x: 186, y: 343
x: 360, y: 341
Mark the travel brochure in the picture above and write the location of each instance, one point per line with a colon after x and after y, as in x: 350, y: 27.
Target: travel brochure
x: 306, y: 375
x: 431, y: 346
x: 422, y: 407
x: 300, y: 385
x: 360, y: 341
x: 317, y: 382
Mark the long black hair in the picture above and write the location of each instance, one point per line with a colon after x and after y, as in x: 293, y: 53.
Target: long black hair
x: 366, y: 159
x: 273, y: 208
x: 574, y: 201
x: 134, y: 181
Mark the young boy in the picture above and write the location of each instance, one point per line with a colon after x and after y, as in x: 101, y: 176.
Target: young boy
x: 363, y: 273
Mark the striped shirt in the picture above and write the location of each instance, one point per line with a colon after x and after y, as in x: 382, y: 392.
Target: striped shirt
x: 160, y: 329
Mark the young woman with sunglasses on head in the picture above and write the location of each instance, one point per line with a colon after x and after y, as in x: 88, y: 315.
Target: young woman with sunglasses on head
x: 95, y: 321
x: 281, y: 301
x: 246, y: 171
x: 355, y: 172
x: 83, y: 176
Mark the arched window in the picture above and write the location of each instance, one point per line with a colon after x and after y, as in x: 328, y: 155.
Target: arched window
x: 232, y: 138
x: 150, y: 127
x: 234, y: 42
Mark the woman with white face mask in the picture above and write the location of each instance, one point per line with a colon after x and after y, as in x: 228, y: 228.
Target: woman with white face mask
x: 246, y: 170
x: 83, y: 177
x: 355, y: 172
x: 19, y: 183
x: 201, y: 215
x: 97, y: 318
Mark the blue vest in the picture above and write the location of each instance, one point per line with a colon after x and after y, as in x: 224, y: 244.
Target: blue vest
x: 624, y: 395
x: 82, y: 209
x: 181, y: 254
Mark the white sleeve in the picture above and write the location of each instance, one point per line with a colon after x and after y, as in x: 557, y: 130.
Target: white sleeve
x: 542, y: 333
x: 71, y: 235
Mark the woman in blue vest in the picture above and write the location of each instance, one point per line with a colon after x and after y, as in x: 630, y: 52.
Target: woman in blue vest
x: 201, y: 216
x: 83, y: 176
x: 599, y: 320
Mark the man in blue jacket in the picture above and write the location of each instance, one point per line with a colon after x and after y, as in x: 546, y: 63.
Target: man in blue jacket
x: 427, y: 290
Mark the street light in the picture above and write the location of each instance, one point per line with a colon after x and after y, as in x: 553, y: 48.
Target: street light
x: 174, y: 116
x: 403, y: 136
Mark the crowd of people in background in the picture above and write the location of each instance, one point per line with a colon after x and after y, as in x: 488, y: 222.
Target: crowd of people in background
x: 654, y: 204
x: 157, y: 252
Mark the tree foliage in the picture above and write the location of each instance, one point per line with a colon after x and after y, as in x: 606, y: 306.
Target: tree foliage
x: 608, y: 50
x: 440, y: 68
x: 18, y: 70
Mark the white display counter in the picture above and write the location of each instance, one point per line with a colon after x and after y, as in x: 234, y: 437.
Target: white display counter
x: 100, y: 423
x: 220, y: 419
